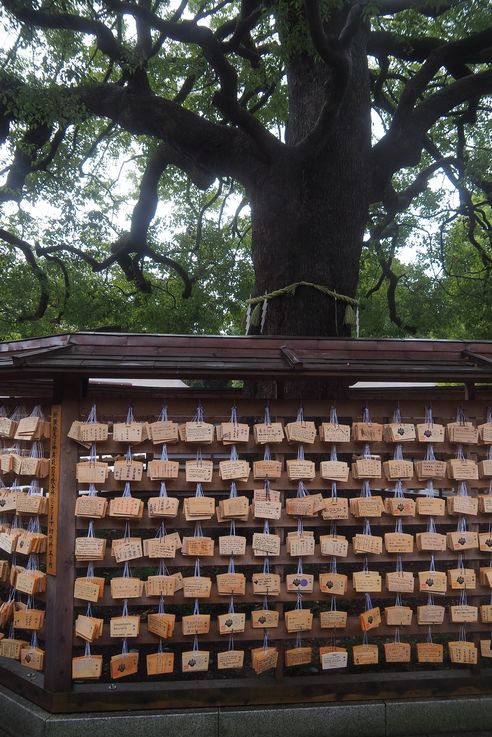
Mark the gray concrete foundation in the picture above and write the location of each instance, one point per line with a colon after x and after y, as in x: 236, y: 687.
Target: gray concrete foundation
x: 397, y: 718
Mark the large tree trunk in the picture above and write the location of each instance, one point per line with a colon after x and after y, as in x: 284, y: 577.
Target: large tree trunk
x: 309, y: 211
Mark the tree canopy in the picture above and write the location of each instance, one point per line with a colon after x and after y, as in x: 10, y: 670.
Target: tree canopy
x: 160, y: 160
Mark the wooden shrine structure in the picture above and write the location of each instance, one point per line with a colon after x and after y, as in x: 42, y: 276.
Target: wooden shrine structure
x: 342, y: 568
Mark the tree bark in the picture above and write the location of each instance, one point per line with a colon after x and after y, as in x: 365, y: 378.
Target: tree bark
x: 310, y: 207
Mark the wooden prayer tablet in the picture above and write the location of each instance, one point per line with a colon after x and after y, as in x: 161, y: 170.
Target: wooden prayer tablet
x: 301, y: 432
x: 303, y: 582
x: 125, y: 664
x: 160, y: 586
x: 232, y: 545
x: 298, y: 620
x: 264, y: 618
x: 431, y: 506
x: 199, y: 432
x: 463, y: 613
x: 231, y: 433
x: 126, y: 587
x: 158, y: 469
x: 163, y: 431
x: 429, y: 652
x: 485, y: 648
x: 32, y: 428
x: 297, y: 469
x: 266, y: 495
x: 195, y: 661
x: 462, y: 433
x: 366, y: 506
x: 267, y: 469
x: 94, y: 507
x: 32, y: 504
x: 333, y: 583
x: 11, y: 648
x: 485, y: 576
x: 431, y: 541
x: 334, y: 470
x: 298, y: 656
x: 87, y: 667
x: 160, y: 547
x: 486, y: 613
x: 463, y: 540
x: 334, y: 545
x: 335, y: 508
x: 127, y: 548
x: 29, y: 581
x: 159, y: 663
x: 8, y: 500
x: 90, y: 548
x: 4, y: 570
x: 234, y: 470
x: 163, y: 506
x: 200, y: 471
x: 198, y: 546
x: 367, y: 432
x: 300, y: 544
x: 333, y: 657
x: 367, y: 544
x: 398, y: 616
x: 365, y: 654
x: 370, y: 619
x: 7, y: 427
x: 32, y: 466
x: 485, y: 542
x: 89, y: 588
x: 268, y: 434
x: 332, y: 432
x: 229, y: 659
x: 397, y: 652
x: 462, y: 470
x: 485, y: 469
x: 430, y: 614
x: 195, y: 624
x: 398, y: 469
x: 236, y: 507
x: 199, y: 507
x: 366, y: 581
x: 267, y: 509
x: 32, y: 657
x: 88, y: 628
x: 300, y: 506
x: 366, y: 468
x: 430, y: 470
x: 400, y: 506
x: 400, y: 581
x: 124, y: 470
x: 130, y: 432
x: 92, y: 472
x: 263, y: 659
x: 484, y: 503
x: 485, y: 433
x: 128, y: 507
x: 430, y: 432
x: 197, y: 587
x: 398, y: 542
x: 462, y: 578
x: 465, y: 653
x: 231, y: 583
x: 87, y: 433
x: 266, y: 544
x: 29, y: 619
x: 399, y: 432
x: 433, y: 582
x: 266, y: 584
x: 30, y: 542
x: 333, y: 620
x: 128, y: 626
x: 8, y: 540
x: 161, y: 624
x: 231, y: 623
x: 462, y: 504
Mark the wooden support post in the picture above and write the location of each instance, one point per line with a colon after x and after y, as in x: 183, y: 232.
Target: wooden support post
x: 59, y: 594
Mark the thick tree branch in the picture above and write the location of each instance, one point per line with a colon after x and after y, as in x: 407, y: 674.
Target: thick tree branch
x: 42, y: 279
x: 430, y: 8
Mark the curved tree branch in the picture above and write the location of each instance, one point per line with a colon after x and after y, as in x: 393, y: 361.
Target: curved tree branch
x: 42, y: 279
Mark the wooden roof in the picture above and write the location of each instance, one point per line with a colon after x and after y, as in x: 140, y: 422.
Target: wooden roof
x: 186, y: 356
